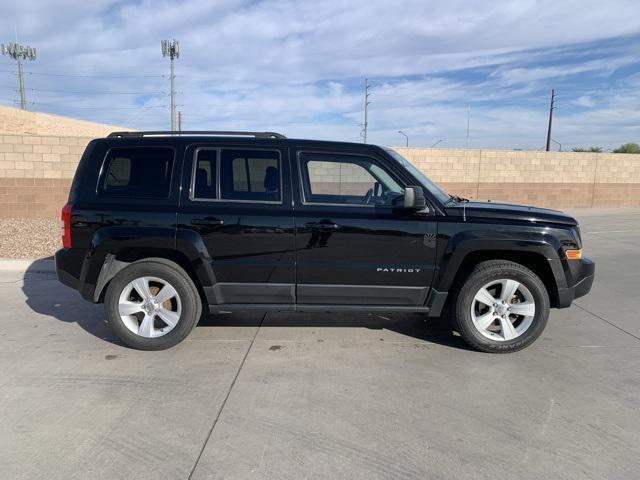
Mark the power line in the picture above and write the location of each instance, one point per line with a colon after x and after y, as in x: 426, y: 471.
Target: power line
x: 48, y: 104
x: 73, y: 75
x: 87, y: 92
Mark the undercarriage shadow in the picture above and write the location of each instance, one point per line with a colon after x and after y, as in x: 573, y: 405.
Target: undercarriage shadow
x: 46, y: 296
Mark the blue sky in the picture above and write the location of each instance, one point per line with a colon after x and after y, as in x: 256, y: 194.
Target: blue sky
x: 298, y: 67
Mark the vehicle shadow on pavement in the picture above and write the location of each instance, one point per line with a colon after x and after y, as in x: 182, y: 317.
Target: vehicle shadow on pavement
x: 417, y: 326
x: 46, y: 296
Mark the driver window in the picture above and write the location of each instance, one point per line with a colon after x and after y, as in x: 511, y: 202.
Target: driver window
x: 348, y: 180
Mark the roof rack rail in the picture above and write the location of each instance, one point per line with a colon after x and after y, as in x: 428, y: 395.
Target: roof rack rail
x: 196, y: 132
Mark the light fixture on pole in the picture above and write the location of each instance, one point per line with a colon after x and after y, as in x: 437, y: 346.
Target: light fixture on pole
x: 171, y: 49
x: 406, y: 137
x: 19, y: 53
x: 435, y: 144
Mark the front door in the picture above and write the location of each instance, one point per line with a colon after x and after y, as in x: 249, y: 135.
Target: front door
x: 354, y: 244
x: 236, y: 200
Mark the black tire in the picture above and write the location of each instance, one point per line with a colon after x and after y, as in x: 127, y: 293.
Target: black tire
x: 166, y: 270
x: 482, y: 274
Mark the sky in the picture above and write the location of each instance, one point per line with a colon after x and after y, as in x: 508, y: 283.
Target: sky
x: 298, y: 67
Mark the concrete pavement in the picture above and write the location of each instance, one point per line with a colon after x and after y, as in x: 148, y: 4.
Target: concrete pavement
x: 290, y: 396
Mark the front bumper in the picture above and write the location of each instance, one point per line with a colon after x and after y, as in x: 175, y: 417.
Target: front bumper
x: 580, y: 275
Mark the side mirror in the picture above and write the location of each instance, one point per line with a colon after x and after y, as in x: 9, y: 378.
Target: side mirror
x: 414, y: 199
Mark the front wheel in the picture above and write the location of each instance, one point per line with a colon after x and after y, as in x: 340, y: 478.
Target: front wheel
x: 152, y: 305
x: 501, y: 307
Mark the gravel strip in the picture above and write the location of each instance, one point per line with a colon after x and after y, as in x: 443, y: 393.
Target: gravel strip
x: 28, y: 238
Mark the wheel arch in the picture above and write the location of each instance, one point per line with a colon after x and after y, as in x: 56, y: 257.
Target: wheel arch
x: 116, y: 261
x: 534, y: 261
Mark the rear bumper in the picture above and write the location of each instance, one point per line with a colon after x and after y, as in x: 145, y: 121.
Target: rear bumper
x: 68, y: 266
x: 580, y: 275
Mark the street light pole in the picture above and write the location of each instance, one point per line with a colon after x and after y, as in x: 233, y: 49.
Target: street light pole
x: 405, y: 136
x: 171, y: 49
x: 19, y: 53
x: 432, y: 146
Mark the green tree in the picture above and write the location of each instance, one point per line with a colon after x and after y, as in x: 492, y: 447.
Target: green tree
x: 590, y: 149
x: 628, y: 148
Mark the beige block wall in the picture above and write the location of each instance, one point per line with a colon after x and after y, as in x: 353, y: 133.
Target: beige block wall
x: 36, y: 173
x: 551, y: 179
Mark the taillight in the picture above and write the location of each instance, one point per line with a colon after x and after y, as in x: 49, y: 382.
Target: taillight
x: 65, y: 225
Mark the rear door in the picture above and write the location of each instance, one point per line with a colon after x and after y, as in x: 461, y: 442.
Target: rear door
x: 354, y: 247
x: 237, y: 198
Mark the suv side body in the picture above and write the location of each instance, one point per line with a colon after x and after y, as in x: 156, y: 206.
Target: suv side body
x: 254, y: 225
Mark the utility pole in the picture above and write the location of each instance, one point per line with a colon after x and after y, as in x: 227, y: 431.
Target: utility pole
x: 366, y: 109
x: 19, y: 53
x: 551, y: 107
x: 179, y: 121
x: 468, y: 123
x: 171, y: 49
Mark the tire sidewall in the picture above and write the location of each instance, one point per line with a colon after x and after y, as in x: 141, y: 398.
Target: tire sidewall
x: 480, y: 278
x: 189, y: 300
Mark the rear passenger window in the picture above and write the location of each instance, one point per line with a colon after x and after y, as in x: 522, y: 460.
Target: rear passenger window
x: 250, y: 175
x: 142, y: 172
x: 205, y: 182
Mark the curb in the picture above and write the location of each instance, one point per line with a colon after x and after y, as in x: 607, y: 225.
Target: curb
x: 28, y: 265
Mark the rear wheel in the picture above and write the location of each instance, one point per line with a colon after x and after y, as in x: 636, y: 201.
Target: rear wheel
x: 152, y: 305
x: 501, y: 307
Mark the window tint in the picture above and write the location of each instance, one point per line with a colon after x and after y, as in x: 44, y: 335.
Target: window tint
x: 347, y: 180
x: 143, y: 172
x: 205, y: 175
x: 250, y: 175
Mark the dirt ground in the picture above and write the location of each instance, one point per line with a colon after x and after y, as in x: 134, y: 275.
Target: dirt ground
x: 29, y: 238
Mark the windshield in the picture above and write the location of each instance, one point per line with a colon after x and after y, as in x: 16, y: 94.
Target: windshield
x: 425, y: 181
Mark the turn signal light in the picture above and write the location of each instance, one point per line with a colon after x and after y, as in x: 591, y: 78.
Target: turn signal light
x: 574, y: 254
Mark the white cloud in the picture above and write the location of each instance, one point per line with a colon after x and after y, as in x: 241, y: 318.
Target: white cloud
x: 298, y: 66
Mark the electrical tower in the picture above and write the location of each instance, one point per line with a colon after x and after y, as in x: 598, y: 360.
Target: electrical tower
x: 19, y: 53
x: 171, y: 49
x: 551, y: 108
x: 365, y: 128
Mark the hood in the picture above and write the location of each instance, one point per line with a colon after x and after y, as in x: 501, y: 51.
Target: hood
x: 509, y: 211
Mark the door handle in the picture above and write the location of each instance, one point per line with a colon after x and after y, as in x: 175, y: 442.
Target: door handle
x: 327, y: 226
x: 207, y: 221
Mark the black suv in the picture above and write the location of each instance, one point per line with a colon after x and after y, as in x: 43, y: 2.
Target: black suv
x: 160, y: 224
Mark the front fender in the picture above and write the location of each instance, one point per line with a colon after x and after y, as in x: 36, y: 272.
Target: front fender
x: 455, y: 248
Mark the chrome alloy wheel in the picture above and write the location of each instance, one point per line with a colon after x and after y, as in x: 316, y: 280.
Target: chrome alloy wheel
x: 149, y: 307
x: 503, y: 310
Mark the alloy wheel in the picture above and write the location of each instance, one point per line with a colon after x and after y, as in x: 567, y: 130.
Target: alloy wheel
x: 149, y: 307
x: 503, y: 310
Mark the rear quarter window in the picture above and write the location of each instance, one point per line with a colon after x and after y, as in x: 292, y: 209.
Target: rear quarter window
x: 137, y: 172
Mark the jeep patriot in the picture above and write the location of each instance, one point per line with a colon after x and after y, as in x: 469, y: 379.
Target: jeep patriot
x: 161, y: 225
